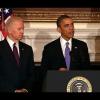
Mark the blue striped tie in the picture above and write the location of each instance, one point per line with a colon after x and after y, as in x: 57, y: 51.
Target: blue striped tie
x: 67, y: 56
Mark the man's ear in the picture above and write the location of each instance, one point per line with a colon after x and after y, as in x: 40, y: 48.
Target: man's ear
x: 58, y: 29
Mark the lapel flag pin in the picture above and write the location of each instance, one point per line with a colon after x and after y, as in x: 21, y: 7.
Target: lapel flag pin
x: 75, y: 47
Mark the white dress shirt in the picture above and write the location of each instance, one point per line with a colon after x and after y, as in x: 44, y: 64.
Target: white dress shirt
x: 10, y: 42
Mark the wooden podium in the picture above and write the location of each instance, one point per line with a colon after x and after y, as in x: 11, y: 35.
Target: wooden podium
x: 72, y: 81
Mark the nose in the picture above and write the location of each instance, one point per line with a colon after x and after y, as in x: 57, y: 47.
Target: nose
x: 71, y: 27
x: 22, y: 31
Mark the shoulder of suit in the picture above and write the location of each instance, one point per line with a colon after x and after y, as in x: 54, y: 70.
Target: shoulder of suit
x: 24, y: 44
x: 52, y: 43
x: 2, y: 42
x: 79, y: 41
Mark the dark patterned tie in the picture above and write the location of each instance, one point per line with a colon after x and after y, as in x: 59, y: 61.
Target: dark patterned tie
x: 15, y: 51
x: 67, y: 55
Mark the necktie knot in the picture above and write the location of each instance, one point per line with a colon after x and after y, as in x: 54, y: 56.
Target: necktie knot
x: 14, y: 45
x: 67, y: 43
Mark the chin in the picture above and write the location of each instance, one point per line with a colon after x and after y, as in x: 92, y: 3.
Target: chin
x: 71, y: 36
x: 20, y: 38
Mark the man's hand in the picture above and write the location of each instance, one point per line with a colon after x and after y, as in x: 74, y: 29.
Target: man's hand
x: 62, y: 69
x: 21, y: 91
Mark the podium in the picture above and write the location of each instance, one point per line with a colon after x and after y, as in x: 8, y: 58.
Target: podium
x: 71, y: 81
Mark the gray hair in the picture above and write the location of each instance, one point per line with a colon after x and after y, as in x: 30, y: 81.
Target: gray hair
x: 11, y: 20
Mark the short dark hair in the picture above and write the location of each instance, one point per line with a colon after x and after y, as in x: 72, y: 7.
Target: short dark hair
x: 60, y: 18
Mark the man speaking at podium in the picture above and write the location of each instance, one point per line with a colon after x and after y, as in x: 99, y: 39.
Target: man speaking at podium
x: 66, y: 52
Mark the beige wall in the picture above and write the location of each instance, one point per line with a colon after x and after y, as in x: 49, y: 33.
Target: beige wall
x: 37, y: 34
x: 40, y: 27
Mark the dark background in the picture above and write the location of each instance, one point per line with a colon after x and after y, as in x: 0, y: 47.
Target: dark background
x: 49, y: 3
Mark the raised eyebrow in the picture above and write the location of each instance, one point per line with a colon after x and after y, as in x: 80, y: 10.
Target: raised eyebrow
x: 68, y: 24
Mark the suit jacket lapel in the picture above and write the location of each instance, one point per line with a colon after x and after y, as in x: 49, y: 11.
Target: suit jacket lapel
x: 8, y: 52
x: 60, y: 53
x: 22, y: 53
x: 74, y: 52
x: 74, y: 46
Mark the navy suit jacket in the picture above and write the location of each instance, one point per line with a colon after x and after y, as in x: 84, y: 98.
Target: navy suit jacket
x: 12, y: 76
x: 52, y: 57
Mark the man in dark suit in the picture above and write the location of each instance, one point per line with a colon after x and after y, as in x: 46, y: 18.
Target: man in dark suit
x: 54, y: 55
x: 16, y: 70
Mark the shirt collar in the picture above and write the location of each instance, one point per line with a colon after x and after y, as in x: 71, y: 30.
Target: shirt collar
x: 63, y: 42
x: 11, y: 42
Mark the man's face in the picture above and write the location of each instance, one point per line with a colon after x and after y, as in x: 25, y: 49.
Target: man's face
x: 66, y: 28
x: 17, y: 30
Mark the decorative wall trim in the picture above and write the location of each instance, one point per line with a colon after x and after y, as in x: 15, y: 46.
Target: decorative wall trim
x: 91, y: 15
x: 38, y: 38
